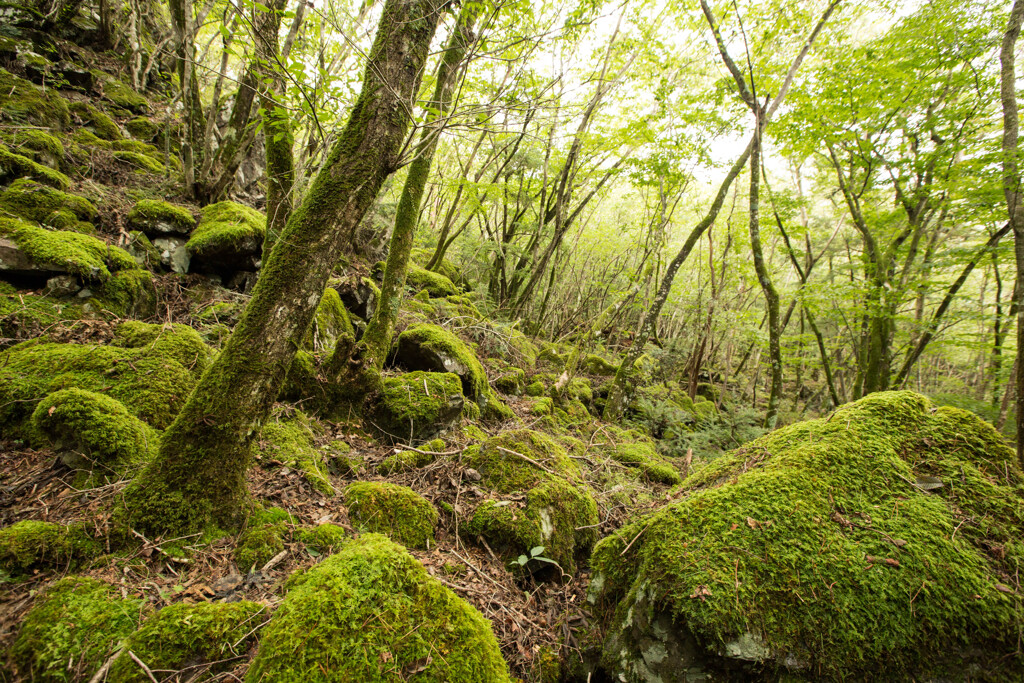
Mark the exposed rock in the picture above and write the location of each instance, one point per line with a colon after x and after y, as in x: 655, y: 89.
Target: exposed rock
x: 813, y: 554
x: 173, y: 253
x: 359, y: 295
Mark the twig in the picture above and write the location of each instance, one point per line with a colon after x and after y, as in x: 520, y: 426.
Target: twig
x: 473, y: 567
x: 529, y: 460
x: 102, y: 673
x: 633, y: 541
x: 142, y: 665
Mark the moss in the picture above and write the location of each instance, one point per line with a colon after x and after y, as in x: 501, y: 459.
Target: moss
x: 290, y: 440
x: 415, y: 406
x: 14, y: 166
x: 160, y: 216
x: 143, y: 251
x: 435, y: 284
x: 152, y: 382
x: 23, y: 102
x: 542, y: 406
x: 141, y: 162
x: 324, y: 538
x: 129, y: 293
x: 170, y: 340
x: 371, y: 613
x: 123, y: 95
x: 644, y: 456
x: 330, y: 322
x: 506, y: 473
x: 33, y: 201
x: 40, y: 146
x: 815, y: 542
x: 397, y: 511
x: 403, y: 462
x: 96, y: 121
x: 595, y: 365
x: 73, y: 630
x: 421, y: 257
x: 142, y: 128
x: 96, y: 427
x: 30, y: 545
x: 511, y: 381
x: 26, y: 316
x: 262, y: 539
x: 82, y: 255
x: 228, y: 226
x: 183, y: 635
x: 535, y: 388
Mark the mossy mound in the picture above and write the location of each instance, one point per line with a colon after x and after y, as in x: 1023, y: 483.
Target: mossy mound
x: 595, y: 365
x: 290, y: 440
x: 559, y: 512
x: 371, y: 613
x: 643, y: 457
x: 829, y: 550
x: 435, y: 284
x: 60, y: 251
x: 183, y: 636
x: 155, y: 217
x: 14, y: 166
x: 414, y: 407
x: 330, y: 322
x: 229, y: 237
x: 123, y: 95
x: 410, y: 460
x: 29, y: 545
x: 37, y: 145
x: 175, y: 341
x: 22, y: 102
x: 324, y: 538
x: 432, y: 348
x: 262, y: 539
x: 142, y: 128
x: 152, y: 381
x: 98, y: 431
x: 421, y: 257
x: 398, y: 511
x: 72, y: 630
x: 33, y: 201
x: 95, y: 121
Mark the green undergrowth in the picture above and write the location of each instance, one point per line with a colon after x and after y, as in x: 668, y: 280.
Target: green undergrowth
x: 72, y: 630
x: 371, y: 613
x: 30, y: 545
x: 183, y: 635
x: 394, y: 510
x: 882, y: 540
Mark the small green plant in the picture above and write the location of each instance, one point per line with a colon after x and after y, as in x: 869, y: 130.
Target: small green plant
x: 536, y: 553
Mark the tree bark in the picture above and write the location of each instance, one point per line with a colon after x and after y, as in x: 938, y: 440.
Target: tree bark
x: 197, y: 478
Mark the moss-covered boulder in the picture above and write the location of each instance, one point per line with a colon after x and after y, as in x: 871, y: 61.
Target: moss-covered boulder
x: 643, y: 456
x: 24, y: 103
x: 289, y: 439
x: 142, y: 128
x: 435, y: 284
x: 33, y: 201
x: 330, y: 322
x: 396, y: 511
x: 183, y: 635
x: 414, y: 407
x: 559, y: 513
x: 94, y: 432
x: 151, y: 372
x: 371, y: 613
x: 30, y: 545
x: 262, y: 538
x: 14, y: 166
x: 404, y: 461
x: 324, y: 538
x: 37, y: 145
x: 229, y: 238
x: 880, y: 542
x: 95, y: 121
x: 72, y: 630
x: 596, y: 365
x: 158, y: 218
x: 432, y: 348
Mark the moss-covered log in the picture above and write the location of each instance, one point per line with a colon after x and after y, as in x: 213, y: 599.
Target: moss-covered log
x: 198, y: 477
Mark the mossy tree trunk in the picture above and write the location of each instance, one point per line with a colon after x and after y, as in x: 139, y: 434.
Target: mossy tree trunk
x: 377, y: 338
x: 197, y: 478
x: 1013, y: 191
x: 277, y: 131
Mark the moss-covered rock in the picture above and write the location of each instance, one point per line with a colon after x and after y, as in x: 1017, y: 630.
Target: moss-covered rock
x: 64, y: 252
x: 262, y: 539
x: 421, y: 257
x: 72, y: 630
x: 559, y: 512
x: 155, y: 218
x: 290, y: 440
x: 22, y: 102
x: 229, y: 237
x: 595, y: 365
x: 330, y: 322
x: 142, y: 128
x: 414, y: 407
x: 39, y: 146
x: 435, y: 284
x: 14, y: 166
x: 184, y: 635
x: 152, y: 380
x: 879, y: 542
x: 397, y: 511
x: 94, y: 431
x: 29, y: 545
x: 140, y: 161
x: 410, y: 460
x: 95, y: 121
x: 324, y: 538
x: 30, y: 200
x: 171, y: 340
x: 123, y: 95
x: 432, y: 348
x: 371, y: 613
x: 644, y: 457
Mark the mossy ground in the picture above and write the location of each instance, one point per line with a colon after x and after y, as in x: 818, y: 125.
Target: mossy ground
x: 290, y: 440
x: 29, y: 545
x: 816, y: 540
x: 371, y: 613
x: 396, y: 511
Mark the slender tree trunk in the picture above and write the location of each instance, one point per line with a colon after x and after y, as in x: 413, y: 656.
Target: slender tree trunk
x: 198, y: 476
x: 1013, y: 192
x: 377, y: 338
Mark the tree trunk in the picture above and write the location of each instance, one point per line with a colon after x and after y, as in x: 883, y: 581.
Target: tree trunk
x: 197, y: 478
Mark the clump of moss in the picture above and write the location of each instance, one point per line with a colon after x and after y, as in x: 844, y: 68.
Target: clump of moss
x: 14, y: 166
x: 262, y: 539
x: 185, y: 635
x: 644, y: 457
x: 370, y: 613
x: 96, y: 121
x: 29, y: 545
x: 595, y: 365
x: 410, y: 460
x: 397, y: 511
x: 24, y: 102
x: 156, y: 216
x: 324, y: 538
x: 142, y: 128
x: 69, y: 252
x: 435, y: 284
x: 72, y: 630
x: 227, y: 228
x: 421, y: 257
x: 290, y: 440
x: 124, y: 96
x: 34, y: 201
x: 97, y: 428
x: 128, y: 293
x: 330, y: 322
x: 140, y: 161
x: 415, y: 406
x: 510, y: 380
x: 171, y: 340
x: 499, y: 460
x: 38, y: 145
x: 819, y: 547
